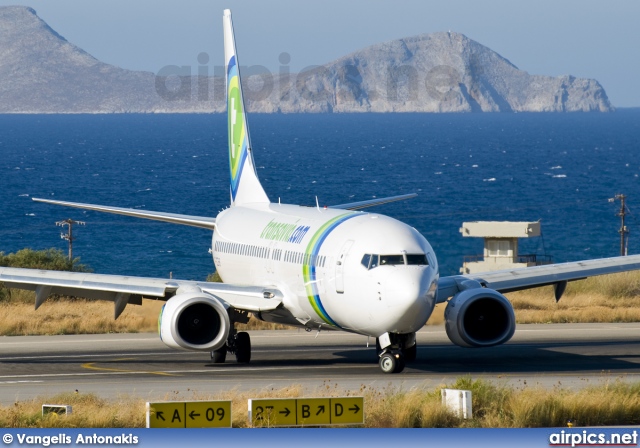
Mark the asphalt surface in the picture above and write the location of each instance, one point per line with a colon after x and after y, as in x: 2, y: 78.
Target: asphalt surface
x: 569, y: 355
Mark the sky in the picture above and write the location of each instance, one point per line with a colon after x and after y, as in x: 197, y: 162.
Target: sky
x: 586, y: 38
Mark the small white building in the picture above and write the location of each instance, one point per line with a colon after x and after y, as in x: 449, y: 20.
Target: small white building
x: 500, y: 246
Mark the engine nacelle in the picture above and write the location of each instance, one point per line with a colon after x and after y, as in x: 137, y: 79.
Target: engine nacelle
x: 194, y: 321
x: 479, y: 317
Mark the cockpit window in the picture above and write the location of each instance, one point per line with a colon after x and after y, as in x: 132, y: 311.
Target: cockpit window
x: 391, y: 260
x: 371, y: 261
x: 417, y: 259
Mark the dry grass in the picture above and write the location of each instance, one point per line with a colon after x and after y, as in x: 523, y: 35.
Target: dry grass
x: 255, y: 324
x: 610, y: 298
x: 79, y: 316
x: 19, y: 318
x: 494, y: 406
x: 89, y: 411
x: 599, y: 406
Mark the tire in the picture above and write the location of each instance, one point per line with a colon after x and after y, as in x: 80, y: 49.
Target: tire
x: 243, y: 347
x: 219, y: 356
x: 388, y: 363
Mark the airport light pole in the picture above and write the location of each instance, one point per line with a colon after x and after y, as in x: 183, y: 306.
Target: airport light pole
x: 69, y: 235
x: 624, y: 232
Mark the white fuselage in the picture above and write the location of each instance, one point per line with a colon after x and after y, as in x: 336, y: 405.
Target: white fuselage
x: 317, y: 258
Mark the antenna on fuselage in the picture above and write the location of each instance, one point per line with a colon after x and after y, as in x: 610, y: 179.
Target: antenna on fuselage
x: 317, y: 204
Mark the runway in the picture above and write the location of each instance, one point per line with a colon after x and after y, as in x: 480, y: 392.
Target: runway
x: 569, y: 355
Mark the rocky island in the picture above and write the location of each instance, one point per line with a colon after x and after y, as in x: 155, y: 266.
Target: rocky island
x: 42, y: 72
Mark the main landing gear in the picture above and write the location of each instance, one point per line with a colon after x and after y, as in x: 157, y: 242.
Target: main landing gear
x: 238, y: 343
x: 400, y: 349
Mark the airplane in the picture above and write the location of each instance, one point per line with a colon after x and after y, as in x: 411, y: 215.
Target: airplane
x: 318, y: 268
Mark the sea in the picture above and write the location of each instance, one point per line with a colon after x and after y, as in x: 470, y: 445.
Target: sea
x: 561, y: 169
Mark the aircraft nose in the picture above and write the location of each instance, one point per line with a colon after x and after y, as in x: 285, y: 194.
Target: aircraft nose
x: 409, y: 298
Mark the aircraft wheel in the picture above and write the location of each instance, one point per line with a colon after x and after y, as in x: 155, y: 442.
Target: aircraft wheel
x: 389, y: 363
x: 220, y: 355
x: 243, y: 347
x: 410, y: 353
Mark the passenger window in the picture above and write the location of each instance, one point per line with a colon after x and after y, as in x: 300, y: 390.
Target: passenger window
x: 365, y: 260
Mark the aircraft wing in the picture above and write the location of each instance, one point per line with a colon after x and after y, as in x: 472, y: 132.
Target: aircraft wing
x: 187, y: 220
x: 123, y: 289
x: 373, y: 202
x: 559, y: 274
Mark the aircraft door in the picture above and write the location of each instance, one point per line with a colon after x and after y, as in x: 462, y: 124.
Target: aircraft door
x: 340, y: 266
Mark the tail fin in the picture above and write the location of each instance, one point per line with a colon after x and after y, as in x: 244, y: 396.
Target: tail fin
x: 245, y: 185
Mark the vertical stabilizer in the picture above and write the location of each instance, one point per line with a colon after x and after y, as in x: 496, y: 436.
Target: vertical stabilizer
x: 245, y: 185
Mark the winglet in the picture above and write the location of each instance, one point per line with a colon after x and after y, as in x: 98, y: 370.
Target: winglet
x: 245, y: 185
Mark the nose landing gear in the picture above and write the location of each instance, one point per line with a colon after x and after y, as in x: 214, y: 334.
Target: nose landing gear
x: 392, y: 362
x: 398, y: 350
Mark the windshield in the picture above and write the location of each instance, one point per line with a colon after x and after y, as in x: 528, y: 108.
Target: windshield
x: 417, y: 259
x: 392, y: 260
x: 370, y: 261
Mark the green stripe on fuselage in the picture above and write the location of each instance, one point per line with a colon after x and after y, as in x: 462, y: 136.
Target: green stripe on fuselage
x: 308, y: 269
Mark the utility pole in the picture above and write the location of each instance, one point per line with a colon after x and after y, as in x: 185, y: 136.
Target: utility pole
x: 624, y: 232
x: 69, y: 236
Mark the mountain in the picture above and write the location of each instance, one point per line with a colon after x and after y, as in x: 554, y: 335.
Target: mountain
x: 43, y: 73
x: 441, y: 72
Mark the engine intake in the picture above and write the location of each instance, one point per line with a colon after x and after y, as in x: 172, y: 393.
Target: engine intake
x: 194, y: 321
x: 479, y: 317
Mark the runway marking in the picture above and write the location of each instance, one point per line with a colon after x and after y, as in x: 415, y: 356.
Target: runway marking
x: 175, y: 353
x: 422, y: 346
x: 77, y: 339
x: 91, y: 366
x: 92, y: 355
x: 231, y: 370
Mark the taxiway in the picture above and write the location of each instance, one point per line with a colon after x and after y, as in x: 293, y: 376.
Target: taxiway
x: 570, y: 355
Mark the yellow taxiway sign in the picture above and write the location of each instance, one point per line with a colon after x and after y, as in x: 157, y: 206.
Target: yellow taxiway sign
x: 306, y: 411
x: 189, y: 414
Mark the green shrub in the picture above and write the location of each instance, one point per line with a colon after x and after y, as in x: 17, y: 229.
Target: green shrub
x: 48, y: 259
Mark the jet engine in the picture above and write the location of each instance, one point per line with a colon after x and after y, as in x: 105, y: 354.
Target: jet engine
x: 194, y: 321
x: 479, y: 317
